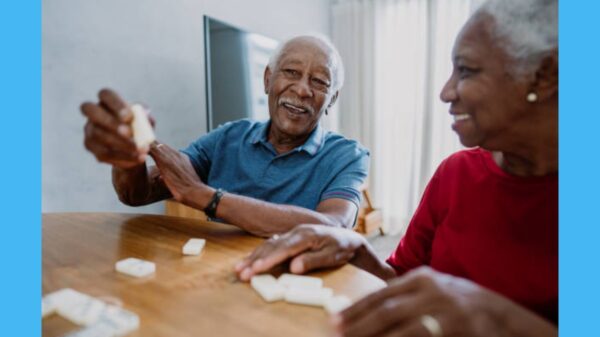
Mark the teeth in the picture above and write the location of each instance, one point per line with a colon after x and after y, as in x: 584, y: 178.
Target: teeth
x: 461, y: 117
x: 294, y: 108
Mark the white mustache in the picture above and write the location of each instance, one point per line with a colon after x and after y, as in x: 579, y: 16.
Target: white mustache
x: 290, y: 101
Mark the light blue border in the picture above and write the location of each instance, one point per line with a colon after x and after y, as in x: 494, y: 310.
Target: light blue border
x: 579, y: 201
x: 20, y: 246
x: 20, y: 167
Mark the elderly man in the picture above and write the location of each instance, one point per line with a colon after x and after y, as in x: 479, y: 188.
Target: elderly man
x: 263, y: 177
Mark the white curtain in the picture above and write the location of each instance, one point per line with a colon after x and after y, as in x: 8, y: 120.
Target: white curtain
x: 397, y: 58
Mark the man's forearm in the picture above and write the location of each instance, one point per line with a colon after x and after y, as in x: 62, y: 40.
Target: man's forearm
x: 265, y: 218
x: 137, y: 186
x: 260, y: 217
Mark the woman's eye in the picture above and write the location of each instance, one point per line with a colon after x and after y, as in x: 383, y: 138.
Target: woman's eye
x: 291, y: 72
x: 465, y: 71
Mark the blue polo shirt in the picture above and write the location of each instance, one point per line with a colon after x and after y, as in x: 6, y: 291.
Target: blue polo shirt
x: 238, y: 158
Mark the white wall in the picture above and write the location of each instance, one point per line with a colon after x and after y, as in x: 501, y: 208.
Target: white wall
x: 151, y: 52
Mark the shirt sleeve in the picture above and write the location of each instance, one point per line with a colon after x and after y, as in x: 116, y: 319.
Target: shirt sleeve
x: 346, y: 183
x: 414, y: 249
x: 201, y: 151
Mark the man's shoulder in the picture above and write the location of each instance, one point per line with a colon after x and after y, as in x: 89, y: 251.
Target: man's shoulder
x: 238, y: 125
x: 337, y: 142
x: 238, y: 130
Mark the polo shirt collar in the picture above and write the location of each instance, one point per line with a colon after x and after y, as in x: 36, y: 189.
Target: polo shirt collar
x: 311, y: 146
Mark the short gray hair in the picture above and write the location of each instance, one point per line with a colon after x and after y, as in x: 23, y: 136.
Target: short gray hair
x: 338, y: 65
x: 528, y: 27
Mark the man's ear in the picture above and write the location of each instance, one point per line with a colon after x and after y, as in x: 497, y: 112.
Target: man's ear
x: 267, y: 79
x: 333, y: 99
x: 546, y: 77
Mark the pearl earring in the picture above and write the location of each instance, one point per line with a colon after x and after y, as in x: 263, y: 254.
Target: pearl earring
x: 532, y: 97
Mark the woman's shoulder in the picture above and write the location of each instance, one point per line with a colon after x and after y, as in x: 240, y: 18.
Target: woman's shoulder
x: 463, y: 162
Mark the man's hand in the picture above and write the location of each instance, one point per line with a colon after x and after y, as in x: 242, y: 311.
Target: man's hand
x: 178, y: 174
x: 108, y: 133
x: 309, y: 246
x: 460, y: 307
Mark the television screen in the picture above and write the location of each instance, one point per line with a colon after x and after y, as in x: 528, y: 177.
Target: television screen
x: 235, y: 64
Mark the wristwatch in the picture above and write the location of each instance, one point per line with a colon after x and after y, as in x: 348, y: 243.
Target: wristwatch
x: 211, y: 209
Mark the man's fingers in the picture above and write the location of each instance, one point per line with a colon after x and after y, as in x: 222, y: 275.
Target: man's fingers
x: 111, y: 140
x: 102, y: 118
x: 272, y: 253
x: 112, y: 101
x: 285, y: 248
x: 327, y: 257
x: 119, y: 159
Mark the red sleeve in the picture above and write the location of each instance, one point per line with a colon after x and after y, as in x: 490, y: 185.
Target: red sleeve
x: 414, y: 249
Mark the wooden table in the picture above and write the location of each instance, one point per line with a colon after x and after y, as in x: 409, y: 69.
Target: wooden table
x: 188, y: 295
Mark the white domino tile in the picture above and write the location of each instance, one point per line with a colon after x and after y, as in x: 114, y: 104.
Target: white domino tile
x: 135, y: 267
x: 336, y: 304
x: 300, y: 281
x: 98, y: 318
x: 267, y: 287
x: 63, y: 298
x: 143, y: 134
x: 86, y: 312
x: 113, y: 322
x: 193, y: 247
x: 308, y: 296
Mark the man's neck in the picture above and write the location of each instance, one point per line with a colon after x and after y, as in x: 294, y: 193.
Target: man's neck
x: 284, y: 143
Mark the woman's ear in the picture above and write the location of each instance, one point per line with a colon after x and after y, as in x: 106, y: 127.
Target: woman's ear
x: 546, y: 77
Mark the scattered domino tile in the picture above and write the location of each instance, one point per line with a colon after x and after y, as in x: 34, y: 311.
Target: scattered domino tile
x: 47, y: 309
x: 300, y: 281
x: 193, y: 247
x: 308, y: 296
x: 86, y: 312
x: 61, y: 298
x: 98, y: 318
x: 267, y: 287
x: 135, y: 267
x: 143, y: 135
x: 298, y: 289
x: 113, y: 321
x: 336, y: 304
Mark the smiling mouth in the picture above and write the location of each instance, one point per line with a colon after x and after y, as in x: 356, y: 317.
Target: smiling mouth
x: 295, y: 109
x: 461, y: 117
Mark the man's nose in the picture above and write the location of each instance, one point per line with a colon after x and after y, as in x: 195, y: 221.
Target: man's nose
x: 302, y: 88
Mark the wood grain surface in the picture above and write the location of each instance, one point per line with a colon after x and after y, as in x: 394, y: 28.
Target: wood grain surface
x: 188, y: 295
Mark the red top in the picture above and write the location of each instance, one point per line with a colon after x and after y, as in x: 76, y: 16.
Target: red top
x: 478, y: 222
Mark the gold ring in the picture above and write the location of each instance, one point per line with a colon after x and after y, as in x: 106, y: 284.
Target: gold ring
x: 432, y: 325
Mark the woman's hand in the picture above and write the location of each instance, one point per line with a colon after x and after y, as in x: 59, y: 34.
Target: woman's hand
x: 427, y: 303
x: 309, y: 246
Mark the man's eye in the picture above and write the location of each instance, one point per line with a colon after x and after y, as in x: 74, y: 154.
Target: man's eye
x: 320, y: 84
x: 291, y: 72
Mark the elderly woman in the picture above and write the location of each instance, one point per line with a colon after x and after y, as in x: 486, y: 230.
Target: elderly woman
x: 487, y: 226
